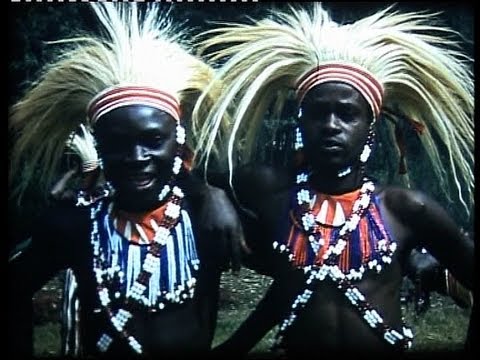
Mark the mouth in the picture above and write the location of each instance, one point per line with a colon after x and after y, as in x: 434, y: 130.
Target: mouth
x: 330, y: 145
x: 141, y: 181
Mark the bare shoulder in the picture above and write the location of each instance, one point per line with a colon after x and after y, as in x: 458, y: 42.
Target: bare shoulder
x: 415, y: 208
x: 403, y: 201
x: 421, y: 221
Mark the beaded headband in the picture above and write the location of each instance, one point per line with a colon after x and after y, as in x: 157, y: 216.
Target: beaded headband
x: 354, y: 75
x: 118, y: 96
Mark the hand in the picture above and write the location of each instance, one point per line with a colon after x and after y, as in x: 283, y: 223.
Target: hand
x: 219, y: 219
x: 424, y: 270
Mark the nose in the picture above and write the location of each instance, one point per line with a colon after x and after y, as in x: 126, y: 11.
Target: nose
x: 137, y: 154
x: 330, y: 123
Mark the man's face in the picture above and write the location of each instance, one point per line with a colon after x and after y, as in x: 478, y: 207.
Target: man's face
x: 137, y: 144
x: 334, y: 124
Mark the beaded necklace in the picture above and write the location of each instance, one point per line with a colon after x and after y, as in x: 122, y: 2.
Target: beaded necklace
x: 167, y: 274
x: 170, y: 261
x: 326, y: 256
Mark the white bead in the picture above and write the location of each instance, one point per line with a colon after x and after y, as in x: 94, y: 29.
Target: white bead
x: 172, y: 210
x: 408, y: 332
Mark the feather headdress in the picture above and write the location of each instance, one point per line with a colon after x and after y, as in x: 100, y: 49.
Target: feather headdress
x: 405, y: 66
x: 141, y: 57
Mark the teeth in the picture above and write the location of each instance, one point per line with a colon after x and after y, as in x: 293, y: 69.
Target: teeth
x: 142, y: 180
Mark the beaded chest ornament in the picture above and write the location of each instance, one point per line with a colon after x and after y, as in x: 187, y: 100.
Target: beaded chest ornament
x: 340, y: 249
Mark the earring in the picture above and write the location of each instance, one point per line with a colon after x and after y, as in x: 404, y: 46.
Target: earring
x: 367, y: 148
x: 109, y: 187
x: 165, y: 191
x: 299, y: 115
x: 180, y: 134
x: 298, y: 139
x: 365, y: 153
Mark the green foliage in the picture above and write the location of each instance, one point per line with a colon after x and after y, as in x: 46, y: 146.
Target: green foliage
x: 442, y: 328
x: 47, y: 340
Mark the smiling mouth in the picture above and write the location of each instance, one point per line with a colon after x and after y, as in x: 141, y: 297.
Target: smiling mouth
x: 141, y: 181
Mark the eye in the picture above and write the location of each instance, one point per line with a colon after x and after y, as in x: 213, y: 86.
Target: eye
x: 154, y: 140
x: 347, y: 113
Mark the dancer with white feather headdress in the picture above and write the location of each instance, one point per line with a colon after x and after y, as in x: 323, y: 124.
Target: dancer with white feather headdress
x: 147, y: 251
x: 334, y: 241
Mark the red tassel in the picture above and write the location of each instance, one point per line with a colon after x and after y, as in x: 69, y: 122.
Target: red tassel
x: 187, y: 158
x: 300, y: 247
x: 417, y: 126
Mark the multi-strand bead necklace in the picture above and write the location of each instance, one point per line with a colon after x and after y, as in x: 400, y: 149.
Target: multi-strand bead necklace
x: 170, y: 260
x: 339, y: 256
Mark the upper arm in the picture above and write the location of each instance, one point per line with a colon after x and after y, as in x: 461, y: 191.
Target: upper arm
x: 433, y: 228
x: 254, y: 184
x: 262, y: 192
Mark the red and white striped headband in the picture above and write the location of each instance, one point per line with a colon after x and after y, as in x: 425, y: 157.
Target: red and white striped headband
x: 118, y: 96
x: 354, y: 75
